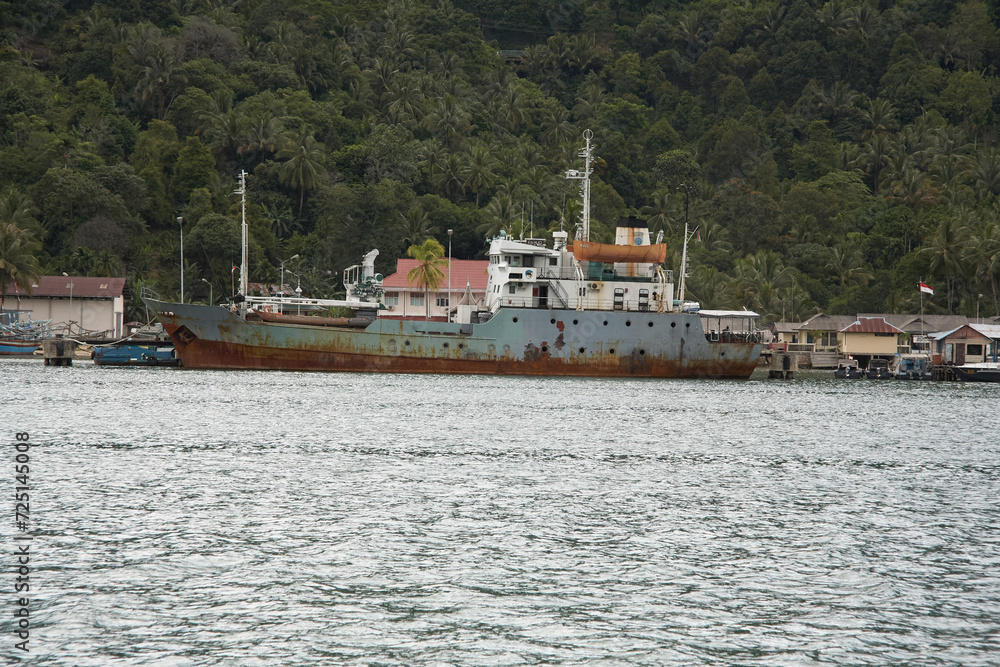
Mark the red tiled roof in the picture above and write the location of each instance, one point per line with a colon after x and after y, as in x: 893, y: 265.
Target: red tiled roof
x: 84, y: 287
x: 471, y: 271
x: 871, y: 325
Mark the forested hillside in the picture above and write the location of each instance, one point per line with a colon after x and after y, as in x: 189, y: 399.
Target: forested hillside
x: 841, y: 150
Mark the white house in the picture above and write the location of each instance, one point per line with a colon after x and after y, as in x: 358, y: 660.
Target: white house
x: 408, y: 301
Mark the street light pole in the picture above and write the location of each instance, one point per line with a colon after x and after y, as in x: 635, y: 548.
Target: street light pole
x: 448, y: 300
x: 281, y: 287
x: 180, y: 223
x: 69, y: 319
x: 211, y: 301
x: 977, y: 307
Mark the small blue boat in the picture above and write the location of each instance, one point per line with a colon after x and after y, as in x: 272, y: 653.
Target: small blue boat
x: 135, y: 355
x: 18, y: 348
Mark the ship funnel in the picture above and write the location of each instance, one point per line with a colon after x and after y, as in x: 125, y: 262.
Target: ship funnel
x: 632, y: 231
x: 559, y: 240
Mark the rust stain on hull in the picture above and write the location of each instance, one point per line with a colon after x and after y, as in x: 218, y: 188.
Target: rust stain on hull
x: 208, y: 354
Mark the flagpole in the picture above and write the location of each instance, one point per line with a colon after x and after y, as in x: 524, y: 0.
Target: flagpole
x: 920, y: 289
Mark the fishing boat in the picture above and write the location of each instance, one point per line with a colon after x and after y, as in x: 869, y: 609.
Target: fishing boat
x: 21, y: 338
x: 979, y: 372
x: 547, y: 312
x: 10, y: 347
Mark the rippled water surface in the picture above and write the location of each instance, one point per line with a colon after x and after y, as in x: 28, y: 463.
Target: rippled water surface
x: 243, y: 518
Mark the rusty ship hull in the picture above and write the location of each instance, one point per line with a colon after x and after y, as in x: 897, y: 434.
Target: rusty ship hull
x: 515, y: 341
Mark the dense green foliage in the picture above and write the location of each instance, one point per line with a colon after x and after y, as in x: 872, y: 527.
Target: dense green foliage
x: 831, y: 154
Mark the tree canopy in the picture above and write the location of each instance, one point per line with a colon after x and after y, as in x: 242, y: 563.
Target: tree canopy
x: 829, y: 153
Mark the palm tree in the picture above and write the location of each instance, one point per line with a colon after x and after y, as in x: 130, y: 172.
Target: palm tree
x: 944, y: 251
x: 449, y: 121
x: 847, y: 265
x: 880, y: 117
x: 662, y: 212
x: 875, y: 157
x: 427, y: 273
x: 223, y: 127
x: 479, y: 175
x: 18, y: 264
x: 838, y: 103
x: 416, y: 225
x: 162, y: 77
x: 556, y: 127
x: 985, y: 173
x: 304, y: 167
x: 17, y: 208
x: 263, y: 133
x: 451, y: 178
x: 279, y: 218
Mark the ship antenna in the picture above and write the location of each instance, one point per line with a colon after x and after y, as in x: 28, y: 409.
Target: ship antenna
x: 684, y: 254
x: 244, y: 252
x: 587, y: 153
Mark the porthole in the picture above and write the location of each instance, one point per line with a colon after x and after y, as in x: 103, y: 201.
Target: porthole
x: 545, y: 348
x: 582, y: 350
x: 673, y: 324
x: 461, y: 345
x: 605, y: 323
x: 576, y: 321
x: 515, y: 319
x: 611, y: 351
x: 628, y: 323
x: 407, y: 343
x: 552, y: 321
x: 642, y: 351
x: 649, y: 324
x: 446, y: 344
x: 722, y: 354
x: 687, y: 325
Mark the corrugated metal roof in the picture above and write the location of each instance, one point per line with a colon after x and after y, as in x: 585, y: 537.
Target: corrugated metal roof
x: 823, y: 322
x: 727, y: 313
x: 465, y: 271
x: 964, y: 332
x: 988, y: 330
x: 871, y: 325
x: 83, y: 287
x: 784, y: 327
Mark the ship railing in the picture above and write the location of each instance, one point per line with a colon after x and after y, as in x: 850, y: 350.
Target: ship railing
x: 750, y: 337
x: 589, y: 303
x: 284, y: 303
x: 569, y: 273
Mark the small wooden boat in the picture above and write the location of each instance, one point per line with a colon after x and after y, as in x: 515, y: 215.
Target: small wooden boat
x: 18, y: 348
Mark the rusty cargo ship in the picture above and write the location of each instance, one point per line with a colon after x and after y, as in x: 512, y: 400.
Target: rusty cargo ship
x: 550, y: 309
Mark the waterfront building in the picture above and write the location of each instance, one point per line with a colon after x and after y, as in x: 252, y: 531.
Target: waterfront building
x: 870, y: 338
x: 78, y: 304
x: 964, y: 345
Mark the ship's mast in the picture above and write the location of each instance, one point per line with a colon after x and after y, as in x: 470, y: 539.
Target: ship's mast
x: 684, y: 255
x: 587, y: 153
x: 244, y: 247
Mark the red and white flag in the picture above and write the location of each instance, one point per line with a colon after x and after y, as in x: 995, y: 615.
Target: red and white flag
x: 925, y: 288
